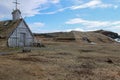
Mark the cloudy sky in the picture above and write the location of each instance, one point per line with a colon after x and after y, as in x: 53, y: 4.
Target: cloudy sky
x: 65, y: 15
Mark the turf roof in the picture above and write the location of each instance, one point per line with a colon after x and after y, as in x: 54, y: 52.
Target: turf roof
x: 7, y: 27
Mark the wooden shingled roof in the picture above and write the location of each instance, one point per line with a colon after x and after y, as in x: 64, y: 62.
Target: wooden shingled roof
x: 7, y: 27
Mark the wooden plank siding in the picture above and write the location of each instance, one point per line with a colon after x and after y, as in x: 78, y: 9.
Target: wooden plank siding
x: 15, y: 39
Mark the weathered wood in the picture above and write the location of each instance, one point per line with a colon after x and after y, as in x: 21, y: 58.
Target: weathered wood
x: 21, y: 36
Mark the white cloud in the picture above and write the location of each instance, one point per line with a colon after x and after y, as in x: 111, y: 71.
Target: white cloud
x: 53, y: 12
x: 76, y: 2
x: 75, y: 21
x: 93, y: 4
x: 55, y: 1
x: 87, y: 22
x: 116, y: 6
x: 74, y: 29
x: 34, y: 7
x: 27, y: 7
x: 79, y: 4
x: 36, y: 26
x: 94, y: 25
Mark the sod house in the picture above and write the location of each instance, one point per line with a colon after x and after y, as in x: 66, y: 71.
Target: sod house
x: 15, y: 32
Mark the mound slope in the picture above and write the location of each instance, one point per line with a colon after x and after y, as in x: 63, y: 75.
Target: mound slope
x: 76, y: 36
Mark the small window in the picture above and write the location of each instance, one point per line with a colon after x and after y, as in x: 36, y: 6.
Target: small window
x: 6, y: 23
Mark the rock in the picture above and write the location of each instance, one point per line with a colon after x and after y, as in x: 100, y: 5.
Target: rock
x: 110, y: 34
x: 109, y: 61
x: 26, y: 49
x: 38, y: 45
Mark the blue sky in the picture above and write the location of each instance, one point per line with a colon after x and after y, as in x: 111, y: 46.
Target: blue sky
x: 44, y: 16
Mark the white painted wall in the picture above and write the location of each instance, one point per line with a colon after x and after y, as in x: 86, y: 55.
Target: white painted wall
x: 14, y: 39
x: 16, y: 15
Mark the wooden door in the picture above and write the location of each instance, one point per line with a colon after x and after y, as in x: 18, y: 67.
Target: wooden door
x: 22, y: 39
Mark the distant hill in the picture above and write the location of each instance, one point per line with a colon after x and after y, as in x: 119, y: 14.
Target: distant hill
x: 99, y: 36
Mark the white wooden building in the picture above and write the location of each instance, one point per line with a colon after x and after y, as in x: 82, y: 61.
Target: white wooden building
x: 16, y: 32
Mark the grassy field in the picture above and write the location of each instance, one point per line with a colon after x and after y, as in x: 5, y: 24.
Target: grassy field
x: 62, y: 61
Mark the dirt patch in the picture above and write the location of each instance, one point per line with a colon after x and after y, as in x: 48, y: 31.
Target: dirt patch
x: 34, y: 59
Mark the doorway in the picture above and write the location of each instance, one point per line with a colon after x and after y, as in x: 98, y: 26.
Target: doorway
x: 22, y: 39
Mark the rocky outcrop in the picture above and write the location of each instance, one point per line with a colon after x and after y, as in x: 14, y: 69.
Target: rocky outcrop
x: 110, y: 34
